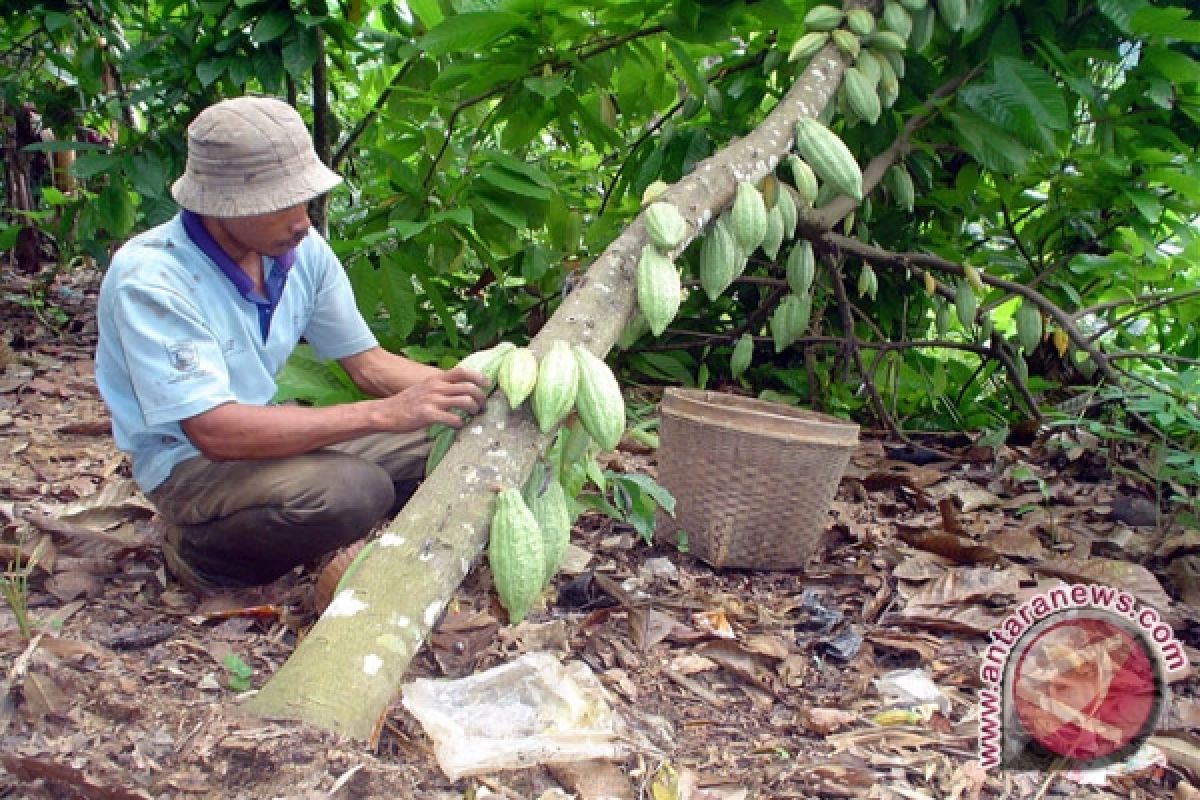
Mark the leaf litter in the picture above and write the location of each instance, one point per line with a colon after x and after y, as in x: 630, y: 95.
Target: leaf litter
x: 739, y: 683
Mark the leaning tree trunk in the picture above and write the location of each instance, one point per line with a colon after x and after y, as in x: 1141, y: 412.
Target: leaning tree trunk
x: 344, y: 674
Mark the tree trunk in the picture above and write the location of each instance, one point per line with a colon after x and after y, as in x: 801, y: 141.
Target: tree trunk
x: 344, y: 674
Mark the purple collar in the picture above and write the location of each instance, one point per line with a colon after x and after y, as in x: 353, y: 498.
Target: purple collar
x: 273, y: 280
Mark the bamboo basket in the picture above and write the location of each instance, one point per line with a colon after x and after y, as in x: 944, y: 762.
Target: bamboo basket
x: 752, y: 480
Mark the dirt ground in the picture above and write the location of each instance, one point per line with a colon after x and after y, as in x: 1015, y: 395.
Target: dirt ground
x: 730, y: 683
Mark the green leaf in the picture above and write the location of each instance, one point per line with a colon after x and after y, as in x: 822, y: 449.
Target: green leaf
x: 502, y: 179
x: 271, y: 26
x: 1121, y: 11
x: 469, y: 31
x: 300, y: 54
x: 1172, y: 65
x: 1171, y: 23
x: 209, y: 71
x: 510, y: 215
x: 663, y: 366
x: 652, y: 489
x: 687, y: 67
x: 990, y: 146
x: 306, y: 378
x: 1025, y: 86
x: 428, y: 12
x: 61, y: 146
x: 115, y: 209
x: 548, y: 87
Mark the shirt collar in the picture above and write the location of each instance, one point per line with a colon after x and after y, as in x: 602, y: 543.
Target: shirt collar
x: 204, y: 240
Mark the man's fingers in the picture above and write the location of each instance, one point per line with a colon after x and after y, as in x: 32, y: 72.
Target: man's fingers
x: 466, y: 375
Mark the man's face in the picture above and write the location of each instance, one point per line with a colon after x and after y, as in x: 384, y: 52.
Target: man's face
x: 269, y: 234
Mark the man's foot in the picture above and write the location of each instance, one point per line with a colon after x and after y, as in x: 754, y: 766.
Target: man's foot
x: 188, y: 576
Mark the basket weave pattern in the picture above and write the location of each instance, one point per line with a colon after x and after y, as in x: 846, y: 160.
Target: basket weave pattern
x: 752, y: 480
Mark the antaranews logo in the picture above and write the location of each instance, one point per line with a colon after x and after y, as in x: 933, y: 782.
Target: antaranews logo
x: 1074, y: 678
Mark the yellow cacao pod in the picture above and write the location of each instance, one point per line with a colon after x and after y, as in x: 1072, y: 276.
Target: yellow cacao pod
x: 748, y: 217
x: 516, y: 554
x: 665, y: 226
x: 1029, y: 326
x: 972, y: 276
x: 1061, y: 341
x: 829, y: 157
x: 654, y: 191
x: 518, y: 375
x: 823, y: 18
x: 598, y: 401
x: 659, y: 290
x: 720, y: 260
x: 557, y: 383
x: 930, y: 283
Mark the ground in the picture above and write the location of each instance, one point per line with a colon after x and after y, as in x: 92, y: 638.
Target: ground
x: 729, y: 682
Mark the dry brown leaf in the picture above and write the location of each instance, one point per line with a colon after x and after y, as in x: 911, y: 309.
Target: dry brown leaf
x: 1018, y: 544
x: 955, y: 548
x: 823, y: 721
x: 1133, y: 578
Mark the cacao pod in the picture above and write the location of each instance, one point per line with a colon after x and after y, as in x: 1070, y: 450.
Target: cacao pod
x: 488, y: 361
x: 860, y: 21
x: 719, y: 261
x: 930, y: 283
x: 986, y: 326
x: 922, y: 31
x: 599, y: 402
x: 889, y: 87
x: 887, y: 41
x: 654, y: 191
x: 846, y: 41
x: 896, y: 18
x: 748, y: 217
x: 1029, y: 326
x: 915, y: 5
x: 790, y: 320
x: 575, y: 446
x: 895, y: 60
x: 557, y: 383
x: 774, y: 237
x: 868, y: 65
x: 868, y: 283
x: 860, y: 95
x: 941, y: 317
x: 1021, y: 367
x: 548, y: 505
x: 823, y: 18
x: 805, y: 180
x: 786, y: 203
x: 829, y: 157
x: 518, y: 375
x: 743, y: 354
x: 1061, y: 340
x: 953, y: 13
x: 636, y: 328
x: 516, y: 554
x: 808, y: 45
x: 659, y: 290
x: 965, y: 304
x: 801, y: 267
x: 901, y: 184
x: 972, y: 276
x: 665, y: 226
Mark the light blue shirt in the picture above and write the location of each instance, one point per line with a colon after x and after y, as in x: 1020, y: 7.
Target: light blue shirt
x: 177, y: 338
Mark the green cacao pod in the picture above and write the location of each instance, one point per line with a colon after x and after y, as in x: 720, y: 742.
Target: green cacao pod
x: 922, y: 30
x: 665, y: 226
x: 868, y: 282
x: 575, y: 447
x: 518, y: 375
x: 823, y: 18
x: 973, y: 278
x: 1021, y: 367
x: 860, y: 21
x: 786, y: 203
x: 965, y: 304
x: 654, y: 191
x: 805, y: 180
x: 743, y: 354
x: 599, y: 402
x: 516, y: 554
x: 901, y: 184
x: 885, y: 41
x: 953, y: 13
x: 896, y: 18
x: 941, y: 317
x: 915, y: 5
x: 868, y: 65
x: 719, y: 261
x: 548, y: 503
x: 801, y: 267
x: 846, y: 41
x: 659, y: 290
x: 986, y: 326
x: 557, y: 383
x: 829, y: 157
x: 889, y: 86
x: 636, y: 328
x: 860, y: 95
x: 895, y: 60
x: 748, y: 217
x: 1029, y: 326
x: 808, y: 45
x: 774, y: 237
x: 488, y: 361
x: 790, y: 320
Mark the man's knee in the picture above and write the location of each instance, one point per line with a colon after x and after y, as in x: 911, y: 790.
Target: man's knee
x: 352, y: 496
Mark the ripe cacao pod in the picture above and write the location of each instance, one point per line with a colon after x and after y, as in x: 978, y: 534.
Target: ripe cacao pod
x: 930, y: 283
x: 829, y: 157
x: 557, y: 383
x: 965, y: 304
x: 805, y: 180
x: 659, y: 290
x: 846, y: 41
x: 1061, y: 341
x: 807, y: 46
x: 598, y: 401
x: 719, y: 261
x: 860, y: 95
x: 1029, y: 326
x: 665, y: 226
x: 972, y: 276
x: 953, y: 13
x: 748, y: 217
x: 548, y: 504
x: 860, y: 21
x: 743, y: 354
x: 516, y: 554
x: 518, y: 375
x: 801, y: 267
x: 896, y: 18
x: 790, y: 320
x: 774, y: 237
x: 823, y: 18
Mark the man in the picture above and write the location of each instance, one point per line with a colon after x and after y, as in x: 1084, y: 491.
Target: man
x: 198, y: 315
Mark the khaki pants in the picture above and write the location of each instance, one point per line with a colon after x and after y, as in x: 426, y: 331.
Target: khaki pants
x: 249, y: 522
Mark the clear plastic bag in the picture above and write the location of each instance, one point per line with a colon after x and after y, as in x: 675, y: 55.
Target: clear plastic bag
x: 532, y: 710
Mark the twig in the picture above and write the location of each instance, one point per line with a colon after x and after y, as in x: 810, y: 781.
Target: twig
x: 846, y: 310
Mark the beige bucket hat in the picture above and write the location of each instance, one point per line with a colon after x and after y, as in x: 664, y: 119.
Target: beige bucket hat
x: 248, y: 156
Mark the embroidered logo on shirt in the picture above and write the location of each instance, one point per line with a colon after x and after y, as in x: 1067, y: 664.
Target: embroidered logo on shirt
x: 183, y: 356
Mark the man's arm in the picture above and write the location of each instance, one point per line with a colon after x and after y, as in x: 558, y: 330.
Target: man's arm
x: 382, y: 374
x: 235, y: 431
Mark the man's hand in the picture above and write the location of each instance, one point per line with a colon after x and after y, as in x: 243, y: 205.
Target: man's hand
x: 434, y: 399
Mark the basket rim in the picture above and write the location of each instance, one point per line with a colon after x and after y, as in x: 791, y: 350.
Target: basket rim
x: 759, y: 417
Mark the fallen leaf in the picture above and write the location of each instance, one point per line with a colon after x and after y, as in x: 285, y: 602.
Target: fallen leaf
x: 1133, y: 578
x: 823, y: 721
x: 955, y: 548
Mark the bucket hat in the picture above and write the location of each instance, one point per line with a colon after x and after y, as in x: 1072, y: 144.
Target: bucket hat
x: 248, y: 156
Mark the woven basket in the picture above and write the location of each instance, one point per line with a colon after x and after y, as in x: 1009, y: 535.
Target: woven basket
x: 752, y: 480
